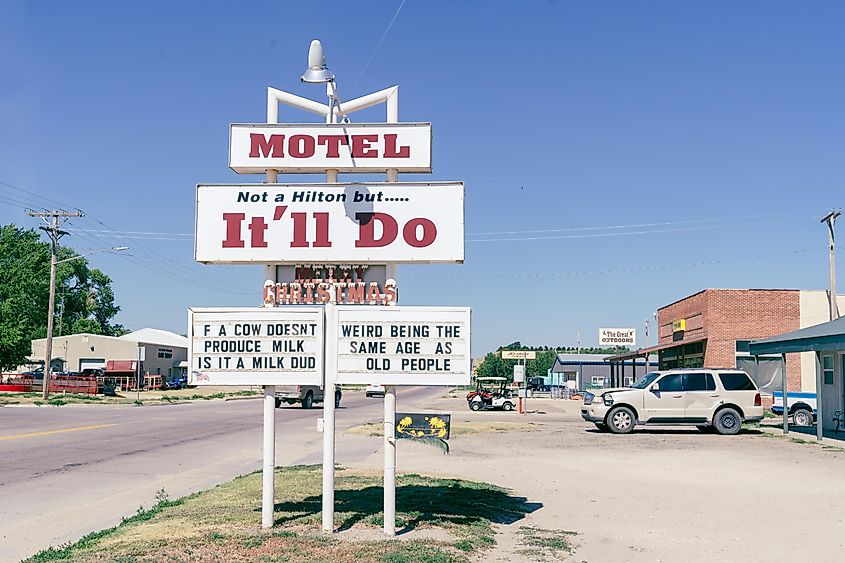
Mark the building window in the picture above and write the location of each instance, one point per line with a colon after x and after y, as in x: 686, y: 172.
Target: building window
x: 597, y: 381
x: 627, y: 381
x: 165, y: 353
x: 827, y: 369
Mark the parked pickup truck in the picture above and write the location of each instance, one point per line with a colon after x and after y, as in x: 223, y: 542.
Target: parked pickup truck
x: 306, y: 395
x: 802, y: 407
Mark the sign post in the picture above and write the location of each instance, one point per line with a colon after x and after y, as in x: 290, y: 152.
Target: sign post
x: 330, y: 353
x: 268, y: 467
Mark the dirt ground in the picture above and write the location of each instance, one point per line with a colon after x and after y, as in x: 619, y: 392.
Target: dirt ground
x: 669, y: 495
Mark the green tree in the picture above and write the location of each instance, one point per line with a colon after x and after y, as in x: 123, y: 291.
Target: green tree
x: 84, y: 295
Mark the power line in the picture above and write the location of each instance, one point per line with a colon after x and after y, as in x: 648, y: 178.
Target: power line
x: 639, y: 225
x: 624, y: 270
x: 629, y: 233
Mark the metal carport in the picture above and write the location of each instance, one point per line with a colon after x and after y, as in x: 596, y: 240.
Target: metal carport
x: 826, y: 337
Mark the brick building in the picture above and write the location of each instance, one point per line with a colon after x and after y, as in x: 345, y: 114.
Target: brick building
x: 712, y: 328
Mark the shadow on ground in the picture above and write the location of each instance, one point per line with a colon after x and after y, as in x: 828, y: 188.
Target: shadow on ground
x: 458, y: 503
x: 678, y: 431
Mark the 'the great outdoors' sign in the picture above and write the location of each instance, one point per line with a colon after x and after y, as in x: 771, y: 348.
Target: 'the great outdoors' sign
x: 617, y: 336
x: 252, y: 346
x: 330, y: 223
x: 345, y: 147
x: 403, y: 345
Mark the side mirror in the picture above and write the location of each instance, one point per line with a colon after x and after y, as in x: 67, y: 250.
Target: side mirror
x: 655, y: 388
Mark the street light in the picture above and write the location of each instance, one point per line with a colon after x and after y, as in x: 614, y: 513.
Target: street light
x: 52, y: 305
x: 317, y: 72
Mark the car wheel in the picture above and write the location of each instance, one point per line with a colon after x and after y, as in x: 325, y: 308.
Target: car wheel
x: 727, y: 421
x: 475, y: 406
x: 601, y: 426
x: 507, y: 407
x: 621, y: 420
x: 336, y: 400
x: 278, y: 403
x: 308, y: 401
x: 802, y: 417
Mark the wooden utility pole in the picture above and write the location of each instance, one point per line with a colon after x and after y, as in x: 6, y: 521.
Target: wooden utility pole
x: 830, y: 219
x: 51, y: 219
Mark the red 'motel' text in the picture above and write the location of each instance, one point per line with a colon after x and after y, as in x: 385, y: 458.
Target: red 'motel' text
x: 327, y: 146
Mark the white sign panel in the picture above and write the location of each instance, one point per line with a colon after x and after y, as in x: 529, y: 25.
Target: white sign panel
x: 519, y: 373
x: 330, y: 223
x: 403, y: 345
x: 519, y: 355
x: 617, y: 336
x: 345, y: 147
x: 252, y: 346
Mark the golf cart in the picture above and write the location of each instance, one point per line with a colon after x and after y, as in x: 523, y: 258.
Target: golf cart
x: 491, y: 393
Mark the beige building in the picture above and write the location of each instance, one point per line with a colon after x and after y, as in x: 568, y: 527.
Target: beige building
x: 161, y: 352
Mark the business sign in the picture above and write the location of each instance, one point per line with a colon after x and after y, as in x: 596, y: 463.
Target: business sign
x: 518, y: 354
x: 679, y: 326
x: 315, y: 148
x: 422, y: 425
x: 617, y: 336
x: 252, y: 346
x: 518, y: 373
x: 330, y: 223
x: 403, y: 345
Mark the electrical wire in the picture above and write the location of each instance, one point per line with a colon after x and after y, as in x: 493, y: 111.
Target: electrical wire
x: 623, y: 270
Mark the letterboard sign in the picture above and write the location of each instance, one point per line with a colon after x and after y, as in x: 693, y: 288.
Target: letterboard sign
x: 403, y: 345
x: 252, y: 346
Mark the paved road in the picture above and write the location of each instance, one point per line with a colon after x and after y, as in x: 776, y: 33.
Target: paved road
x: 67, y: 471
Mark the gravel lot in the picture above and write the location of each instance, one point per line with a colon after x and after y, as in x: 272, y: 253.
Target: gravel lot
x: 655, y: 495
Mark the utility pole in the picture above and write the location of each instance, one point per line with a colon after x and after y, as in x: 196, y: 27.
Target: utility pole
x: 830, y: 219
x: 51, y: 219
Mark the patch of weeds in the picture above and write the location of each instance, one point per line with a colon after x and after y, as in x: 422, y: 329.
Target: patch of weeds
x: 138, y: 402
x: 252, y: 542
x: 215, y: 536
x: 420, y: 552
x: 38, y: 403
x: 244, y: 393
x: 168, y: 398
x: 545, y: 543
x: 57, y: 402
x: 284, y: 534
x: 162, y: 496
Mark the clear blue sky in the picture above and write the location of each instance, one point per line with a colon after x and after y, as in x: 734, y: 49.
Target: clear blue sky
x: 719, y: 124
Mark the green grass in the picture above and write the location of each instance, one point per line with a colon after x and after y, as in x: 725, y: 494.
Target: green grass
x: 223, y: 524
x: 540, y: 543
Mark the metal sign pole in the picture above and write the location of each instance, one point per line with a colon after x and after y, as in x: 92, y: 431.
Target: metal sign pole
x: 269, y: 467
x: 389, y: 461
x: 329, y: 377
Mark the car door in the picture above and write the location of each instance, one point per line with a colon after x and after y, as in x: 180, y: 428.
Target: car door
x: 701, y: 396
x: 664, y: 400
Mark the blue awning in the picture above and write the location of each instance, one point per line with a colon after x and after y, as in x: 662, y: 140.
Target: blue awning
x: 826, y: 337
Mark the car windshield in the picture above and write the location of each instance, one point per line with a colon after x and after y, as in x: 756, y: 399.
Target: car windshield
x: 645, y: 380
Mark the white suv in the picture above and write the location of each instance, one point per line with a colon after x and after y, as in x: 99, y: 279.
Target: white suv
x: 718, y: 399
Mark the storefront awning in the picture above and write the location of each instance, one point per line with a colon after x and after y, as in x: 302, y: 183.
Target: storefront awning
x: 826, y: 337
x: 651, y: 350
